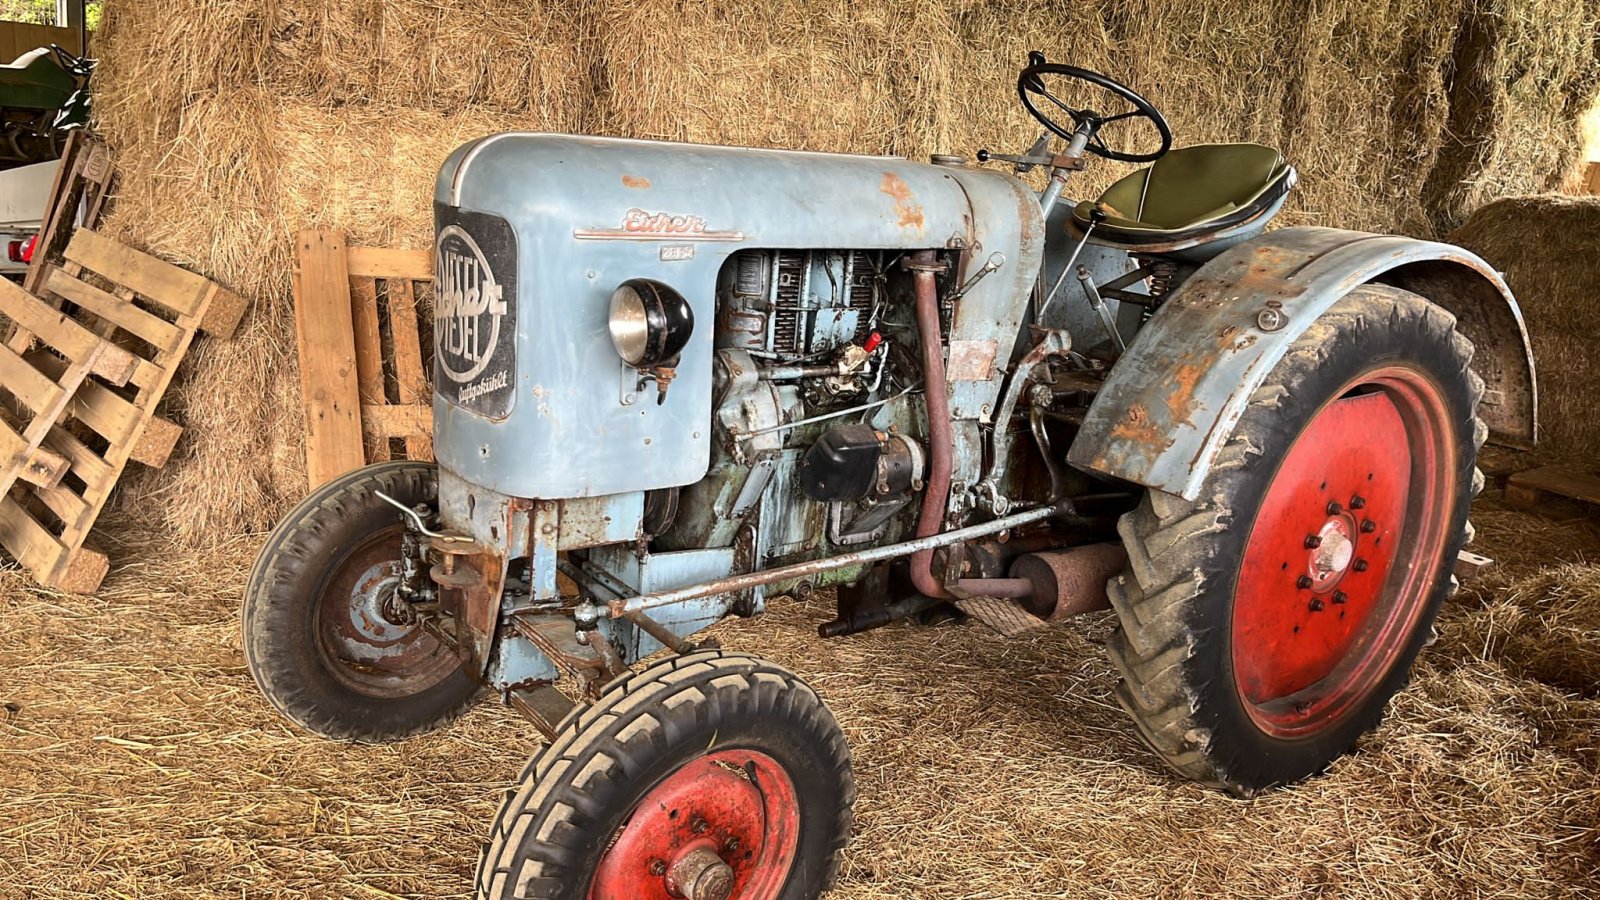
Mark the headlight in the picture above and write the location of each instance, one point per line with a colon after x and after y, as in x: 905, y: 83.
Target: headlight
x: 649, y: 322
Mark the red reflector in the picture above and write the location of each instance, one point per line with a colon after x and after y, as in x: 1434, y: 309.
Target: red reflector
x: 28, y: 248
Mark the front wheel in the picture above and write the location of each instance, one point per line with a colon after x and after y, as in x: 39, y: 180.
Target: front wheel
x: 321, y: 637
x: 709, y: 776
x: 1265, y: 626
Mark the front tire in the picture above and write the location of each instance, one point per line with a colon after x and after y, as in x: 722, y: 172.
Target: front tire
x: 316, y: 639
x: 1265, y: 626
x: 710, y: 775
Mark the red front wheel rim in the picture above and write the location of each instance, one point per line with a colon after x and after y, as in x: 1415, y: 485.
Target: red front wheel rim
x: 732, y: 808
x: 1347, y: 546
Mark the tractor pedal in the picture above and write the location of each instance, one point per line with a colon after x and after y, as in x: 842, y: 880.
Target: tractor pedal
x: 1005, y: 616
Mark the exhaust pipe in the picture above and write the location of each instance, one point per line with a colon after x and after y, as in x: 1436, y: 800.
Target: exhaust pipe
x: 1069, y: 582
x: 936, y: 496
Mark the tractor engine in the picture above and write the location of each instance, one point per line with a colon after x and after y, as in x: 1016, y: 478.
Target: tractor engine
x: 806, y: 348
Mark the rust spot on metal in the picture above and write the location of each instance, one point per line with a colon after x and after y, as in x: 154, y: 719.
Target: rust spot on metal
x: 910, y: 213
x: 637, y: 182
x: 1138, y: 428
x: 1180, y: 400
x: 971, y: 360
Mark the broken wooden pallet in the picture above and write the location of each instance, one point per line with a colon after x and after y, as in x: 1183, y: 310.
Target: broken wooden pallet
x: 361, y: 304
x: 109, y: 330
x: 1535, y: 486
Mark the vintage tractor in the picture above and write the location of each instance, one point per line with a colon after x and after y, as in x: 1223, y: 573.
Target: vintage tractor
x: 675, y: 381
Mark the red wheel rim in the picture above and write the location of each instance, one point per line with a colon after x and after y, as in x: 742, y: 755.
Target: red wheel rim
x: 1345, y: 550
x: 735, y: 806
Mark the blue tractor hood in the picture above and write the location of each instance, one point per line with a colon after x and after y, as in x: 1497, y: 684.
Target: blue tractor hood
x: 535, y: 232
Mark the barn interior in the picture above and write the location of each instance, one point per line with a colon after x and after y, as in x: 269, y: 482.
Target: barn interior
x: 140, y: 761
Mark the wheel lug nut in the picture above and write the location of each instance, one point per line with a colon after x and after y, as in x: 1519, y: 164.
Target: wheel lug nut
x: 1368, y: 526
x: 1360, y: 565
x: 658, y: 868
x: 1340, y: 596
x: 698, y: 825
x: 1334, y: 508
x: 1313, y: 542
x: 1358, y: 502
x: 1316, y: 604
x: 1303, y: 582
x: 733, y: 844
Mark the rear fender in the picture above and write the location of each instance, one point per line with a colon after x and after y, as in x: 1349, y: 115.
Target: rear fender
x: 1171, y: 401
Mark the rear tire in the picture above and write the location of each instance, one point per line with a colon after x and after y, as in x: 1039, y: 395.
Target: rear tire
x: 707, y: 752
x: 314, y: 637
x: 1265, y: 626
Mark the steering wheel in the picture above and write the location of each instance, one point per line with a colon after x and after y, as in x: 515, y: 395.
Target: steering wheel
x: 1030, y: 85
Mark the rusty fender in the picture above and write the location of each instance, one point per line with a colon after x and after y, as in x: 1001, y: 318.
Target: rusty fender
x: 1172, y: 400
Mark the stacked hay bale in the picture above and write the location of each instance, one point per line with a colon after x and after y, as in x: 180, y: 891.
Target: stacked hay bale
x: 1547, y: 247
x: 235, y: 124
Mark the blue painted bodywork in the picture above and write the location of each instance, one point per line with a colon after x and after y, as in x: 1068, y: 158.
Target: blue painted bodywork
x: 1170, y: 403
x: 570, y: 201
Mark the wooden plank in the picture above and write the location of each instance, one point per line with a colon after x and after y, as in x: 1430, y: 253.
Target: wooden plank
x: 387, y: 262
x: 158, y: 332
x: 369, y: 354
x: 36, y: 390
x: 54, y: 208
x: 29, y: 542
x: 88, y: 465
x: 327, y: 356
x: 413, y: 382
x: 61, y: 332
x: 177, y: 289
x: 68, y: 505
x: 113, y: 417
x: 1527, y: 488
x: 389, y: 421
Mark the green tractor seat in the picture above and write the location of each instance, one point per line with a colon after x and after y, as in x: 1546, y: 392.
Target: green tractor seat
x: 1194, y: 202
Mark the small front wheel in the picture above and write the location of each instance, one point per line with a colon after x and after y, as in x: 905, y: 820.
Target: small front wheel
x: 320, y: 635
x: 709, y: 776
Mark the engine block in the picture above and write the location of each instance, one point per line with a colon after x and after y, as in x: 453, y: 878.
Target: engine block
x: 799, y: 303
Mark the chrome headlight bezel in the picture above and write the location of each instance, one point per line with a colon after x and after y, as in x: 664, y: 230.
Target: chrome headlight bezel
x: 649, y: 323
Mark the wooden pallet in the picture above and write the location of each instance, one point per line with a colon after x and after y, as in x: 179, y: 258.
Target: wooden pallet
x: 77, y: 197
x: 359, y: 304
x: 109, y: 331
x: 1536, y: 486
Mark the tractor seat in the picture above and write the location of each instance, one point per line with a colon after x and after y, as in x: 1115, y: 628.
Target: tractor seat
x: 1209, y: 194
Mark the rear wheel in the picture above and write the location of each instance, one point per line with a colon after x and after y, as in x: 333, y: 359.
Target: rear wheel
x: 320, y: 634
x: 708, y: 776
x: 1265, y: 626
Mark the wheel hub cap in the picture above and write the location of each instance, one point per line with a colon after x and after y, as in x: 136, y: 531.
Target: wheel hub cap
x: 1334, y: 553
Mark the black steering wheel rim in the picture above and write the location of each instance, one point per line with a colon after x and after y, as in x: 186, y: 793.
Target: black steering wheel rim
x: 1029, y: 83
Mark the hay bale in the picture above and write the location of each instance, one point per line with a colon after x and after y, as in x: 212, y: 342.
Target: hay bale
x: 1546, y: 247
x: 235, y: 124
